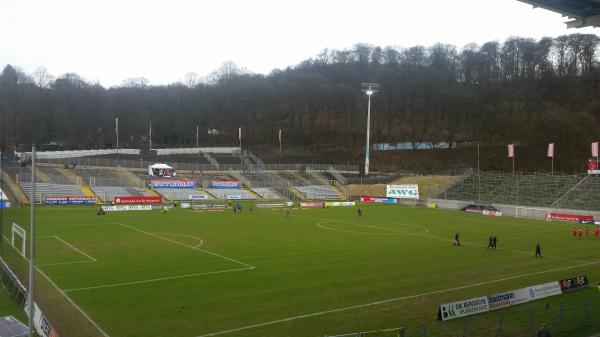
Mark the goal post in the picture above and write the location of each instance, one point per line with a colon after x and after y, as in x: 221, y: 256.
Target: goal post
x: 18, y: 231
x: 531, y: 212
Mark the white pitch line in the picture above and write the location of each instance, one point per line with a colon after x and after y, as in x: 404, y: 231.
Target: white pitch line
x: 76, y: 249
x: 67, y: 297
x: 181, y: 244
x: 157, y: 279
x: 357, y: 306
x: 61, y: 263
x: 73, y: 303
x: 200, y: 241
x: 430, y: 236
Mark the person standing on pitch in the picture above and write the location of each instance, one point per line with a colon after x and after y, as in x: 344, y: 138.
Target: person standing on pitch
x: 494, y: 242
x: 538, y: 250
x: 359, y: 211
x: 456, y: 239
x: 490, y: 243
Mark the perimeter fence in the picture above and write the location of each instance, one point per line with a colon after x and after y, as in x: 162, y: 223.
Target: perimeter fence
x: 568, y: 317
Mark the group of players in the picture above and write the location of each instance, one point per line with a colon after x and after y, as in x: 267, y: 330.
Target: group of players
x: 578, y: 232
x: 493, y: 244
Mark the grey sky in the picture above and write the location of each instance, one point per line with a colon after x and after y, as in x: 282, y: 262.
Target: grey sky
x: 112, y: 40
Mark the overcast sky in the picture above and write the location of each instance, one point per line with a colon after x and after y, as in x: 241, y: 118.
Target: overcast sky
x: 111, y: 40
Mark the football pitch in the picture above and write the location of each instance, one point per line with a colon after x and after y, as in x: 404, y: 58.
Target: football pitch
x: 320, y: 271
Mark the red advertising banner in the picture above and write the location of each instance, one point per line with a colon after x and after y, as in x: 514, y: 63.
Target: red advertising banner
x: 128, y: 200
x: 568, y: 216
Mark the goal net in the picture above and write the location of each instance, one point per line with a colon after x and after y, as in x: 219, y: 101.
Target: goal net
x: 17, y: 238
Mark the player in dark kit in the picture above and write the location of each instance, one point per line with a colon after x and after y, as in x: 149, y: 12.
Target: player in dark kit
x: 494, y: 241
x: 359, y: 211
x: 538, y: 250
x: 490, y: 243
x: 456, y: 241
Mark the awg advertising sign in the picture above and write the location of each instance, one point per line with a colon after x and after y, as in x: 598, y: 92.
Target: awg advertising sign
x: 403, y: 191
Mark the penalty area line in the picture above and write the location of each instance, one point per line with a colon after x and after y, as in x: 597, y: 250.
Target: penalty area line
x: 156, y: 279
x: 389, y: 300
x: 191, y: 247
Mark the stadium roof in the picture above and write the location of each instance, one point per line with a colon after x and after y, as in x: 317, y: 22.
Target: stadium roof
x: 584, y: 13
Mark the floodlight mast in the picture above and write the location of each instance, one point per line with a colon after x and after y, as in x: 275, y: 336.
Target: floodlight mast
x: 369, y: 89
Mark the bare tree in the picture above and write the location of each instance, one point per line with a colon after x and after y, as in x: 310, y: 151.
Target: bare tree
x: 42, y: 78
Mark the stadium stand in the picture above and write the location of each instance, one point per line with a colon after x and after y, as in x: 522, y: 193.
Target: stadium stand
x: 266, y: 193
x: 584, y: 195
x: 177, y: 193
x: 318, y: 192
x: 223, y: 193
x: 48, y: 189
x: 517, y: 189
x: 108, y: 193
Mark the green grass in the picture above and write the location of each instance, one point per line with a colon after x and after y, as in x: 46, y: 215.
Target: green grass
x: 319, y: 272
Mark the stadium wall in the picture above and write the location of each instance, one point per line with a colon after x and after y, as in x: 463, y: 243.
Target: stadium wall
x: 517, y: 211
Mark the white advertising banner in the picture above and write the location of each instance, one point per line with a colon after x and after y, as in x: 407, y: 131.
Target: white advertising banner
x: 41, y: 324
x: 403, y: 191
x: 124, y: 208
x: 544, y: 290
x: 197, y: 197
x: 464, y: 308
x: 506, y: 299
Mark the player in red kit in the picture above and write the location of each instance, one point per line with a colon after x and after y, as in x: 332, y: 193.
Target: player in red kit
x: 574, y: 231
x: 580, y: 232
x: 596, y: 232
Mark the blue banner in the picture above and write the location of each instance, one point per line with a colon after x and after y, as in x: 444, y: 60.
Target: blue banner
x: 173, y: 184
x: 225, y: 184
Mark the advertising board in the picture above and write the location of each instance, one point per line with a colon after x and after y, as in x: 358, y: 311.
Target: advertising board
x: 173, y: 183
x: 544, y: 290
x: 133, y: 200
x: 458, y: 309
x: 378, y: 200
x: 3, y: 196
x: 513, y: 297
x: 410, y: 191
x: 66, y: 200
x: 40, y: 322
x: 124, y: 208
x: 311, y: 204
x: 568, y: 216
x: 339, y: 203
x: 464, y: 308
x: 225, y: 184
x: 197, y: 197
x: 270, y: 205
x: 574, y: 283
